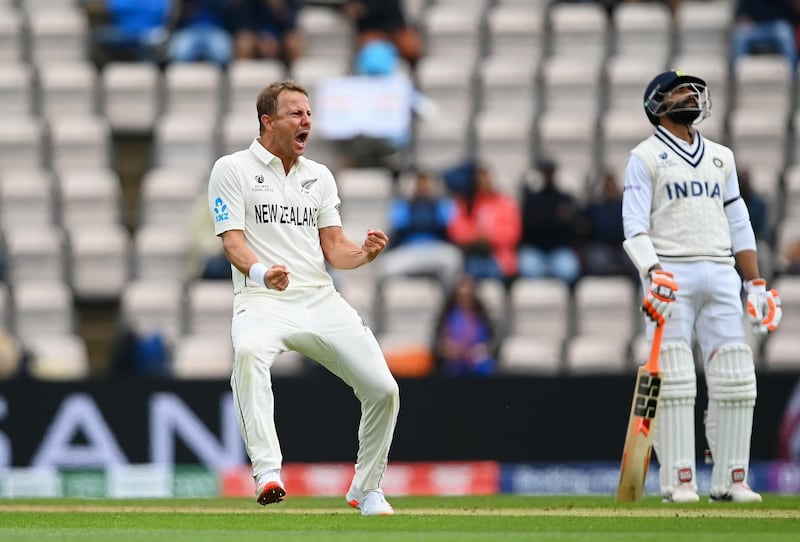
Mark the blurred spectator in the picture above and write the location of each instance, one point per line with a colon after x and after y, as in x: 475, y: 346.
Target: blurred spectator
x: 134, y: 30
x: 348, y: 106
x: 384, y: 20
x: 486, y: 227
x: 765, y: 26
x: 267, y: 29
x: 550, y: 222
x: 418, y: 243
x: 603, y: 253
x: 464, y: 339
x: 12, y: 356
x: 756, y: 206
x: 201, y: 32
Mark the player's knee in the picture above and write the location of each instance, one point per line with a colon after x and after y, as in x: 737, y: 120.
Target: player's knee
x: 731, y: 374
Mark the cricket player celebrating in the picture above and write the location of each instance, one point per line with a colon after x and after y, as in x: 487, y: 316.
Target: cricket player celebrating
x: 277, y: 213
x: 686, y: 226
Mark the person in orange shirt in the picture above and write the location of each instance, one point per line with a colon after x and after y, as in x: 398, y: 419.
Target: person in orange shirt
x: 487, y: 226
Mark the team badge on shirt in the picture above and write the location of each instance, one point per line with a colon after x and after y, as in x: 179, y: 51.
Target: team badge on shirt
x: 221, y: 213
x: 307, y: 184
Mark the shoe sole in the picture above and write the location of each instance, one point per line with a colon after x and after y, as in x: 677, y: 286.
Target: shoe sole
x: 271, y: 494
x: 354, y: 503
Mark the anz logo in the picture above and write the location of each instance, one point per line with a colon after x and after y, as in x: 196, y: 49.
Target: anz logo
x: 221, y: 213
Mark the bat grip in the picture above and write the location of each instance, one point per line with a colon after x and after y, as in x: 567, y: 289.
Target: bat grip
x: 652, y: 365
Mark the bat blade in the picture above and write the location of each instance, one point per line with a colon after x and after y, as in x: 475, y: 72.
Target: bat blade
x: 641, y: 427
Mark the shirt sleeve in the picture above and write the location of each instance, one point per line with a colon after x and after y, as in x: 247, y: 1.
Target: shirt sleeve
x: 742, y: 235
x: 637, y: 198
x: 329, y: 205
x: 225, y: 197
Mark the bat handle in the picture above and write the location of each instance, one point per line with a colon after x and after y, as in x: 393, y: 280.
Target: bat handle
x: 652, y: 362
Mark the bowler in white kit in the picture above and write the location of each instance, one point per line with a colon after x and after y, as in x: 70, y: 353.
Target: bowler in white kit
x: 277, y: 214
x: 687, y: 229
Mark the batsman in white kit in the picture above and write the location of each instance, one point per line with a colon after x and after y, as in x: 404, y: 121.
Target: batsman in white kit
x: 277, y: 213
x: 687, y: 229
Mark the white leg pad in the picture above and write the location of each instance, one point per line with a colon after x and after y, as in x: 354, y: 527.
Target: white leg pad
x: 674, y: 434
x: 731, y: 381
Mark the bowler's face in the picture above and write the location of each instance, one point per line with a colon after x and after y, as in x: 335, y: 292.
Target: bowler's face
x: 291, y: 124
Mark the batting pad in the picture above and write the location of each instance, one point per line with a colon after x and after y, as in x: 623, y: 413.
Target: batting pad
x: 674, y: 435
x: 731, y: 380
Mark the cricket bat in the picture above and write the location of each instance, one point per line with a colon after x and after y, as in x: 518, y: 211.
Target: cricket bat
x: 639, y: 438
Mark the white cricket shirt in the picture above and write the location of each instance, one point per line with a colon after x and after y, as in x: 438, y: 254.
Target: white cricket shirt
x: 280, y: 214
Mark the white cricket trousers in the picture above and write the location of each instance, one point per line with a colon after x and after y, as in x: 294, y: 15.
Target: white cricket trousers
x: 320, y: 324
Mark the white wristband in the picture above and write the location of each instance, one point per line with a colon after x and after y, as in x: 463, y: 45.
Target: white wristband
x: 258, y: 273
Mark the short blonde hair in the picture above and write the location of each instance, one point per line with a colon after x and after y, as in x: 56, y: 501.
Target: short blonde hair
x: 267, y: 101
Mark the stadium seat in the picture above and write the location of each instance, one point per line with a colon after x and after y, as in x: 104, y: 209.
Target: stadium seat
x: 365, y: 194
x: 58, y: 34
x: 194, y: 88
x: 160, y: 252
x: 452, y: 30
x: 13, y: 34
x: 308, y: 71
x: 168, y: 196
x: 89, y: 196
x: 627, y: 77
x: 540, y: 308
x: 246, y: 78
x: 69, y: 88
x: 238, y: 129
x: 154, y: 306
x: 568, y: 138
x: 80, y: 141
x: 758, y: 136
x: 200, y: 356
x: 524, y: 355
x: 621, y: 131
x: 209, y: 307
x: 703, y: 28
x: 99, y: 260
x: 571, y: 85
x: 595, y: 354
x: 408, y: 306
x: 327, y: 33
x: 606, y: 306
x: 17, y: 88
x: 579, y: 30
x: 516, y: 31
x: 763, y: 79
x: 43, y: 308
x: 643, y: 29
x: 507, y: 83
x: 494, y: 296
x: 787, y: 234
x: 35, y: 254
x: 5, y: 307
x: 448, y: 84
x: 58, y: 357
x: 504, y: 143
x: 27, y: 196
x: 182, y: 140
x: 441, y: 143
x: 132, y: 96
x: 791, y: 194
x: 22, y: 142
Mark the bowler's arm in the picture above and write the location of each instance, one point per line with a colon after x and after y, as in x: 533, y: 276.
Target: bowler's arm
x: 342, y: 253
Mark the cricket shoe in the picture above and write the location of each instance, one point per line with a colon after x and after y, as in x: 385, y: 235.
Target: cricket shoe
x: 354, y: 496
x: 374, y: 503
x: 270, y: 488
x: 682, y: 494
x: 737, y: 492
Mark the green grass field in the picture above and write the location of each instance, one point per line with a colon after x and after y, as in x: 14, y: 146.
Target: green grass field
x: 439, y: 519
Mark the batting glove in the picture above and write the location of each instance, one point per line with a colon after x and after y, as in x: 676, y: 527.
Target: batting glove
x: 660, y: 296
x: 763, y: 306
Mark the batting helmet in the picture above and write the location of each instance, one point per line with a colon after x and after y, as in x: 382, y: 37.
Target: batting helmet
x: 656, y: 106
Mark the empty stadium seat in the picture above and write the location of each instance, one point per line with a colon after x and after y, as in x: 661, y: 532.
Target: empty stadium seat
x: 540, y: 308
x: 246, y: 78
x: 595, y: 354
x: 13, y: 34
x: 100, y: 260
x: 763, y: 79
x: 194, y: 88
x: 504, y: 143
x: 515, y: 30
x: 569, y: 138
x: 27, y: 196
x: 23, y: 142
x: 409, y: 307
x: 58, y: 357
x: 90, y: 196
x: 579, y: 30
x: 572, y: 85
x: 328, y: 33
x: 703, y: 28
x: 160, y: 252
x: 452, y: 30
x: 43, y: 308
x: 154, y: 306
x: 132, y: 93
x: 209, y: 307
x: 60, y: 33
x: 35, y: 254
x: 168, y: 196
x: 627, y: 77
x: 524, y: 355
x: 69, y: 88
x: 606, y: 306
x: 508, y: 84
x: 17, y: 87
x: 184, y: 140
x: 80, y: 141
x: 621, y: 131
x: 449, y: 84
x: 758, y: 136
x: 200, y: 356
x: 643, y: 29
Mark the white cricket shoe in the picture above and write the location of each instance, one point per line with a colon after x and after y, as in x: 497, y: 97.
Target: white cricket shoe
x: 353, y: 495
x: 374, y: 503
x: 737, y: 492
x: 682, y: 494
x: 269, y: 488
